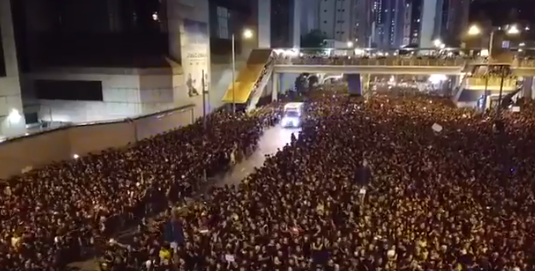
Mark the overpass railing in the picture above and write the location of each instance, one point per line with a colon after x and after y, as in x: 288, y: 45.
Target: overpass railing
x: 384, y: 61
x: 525, y: 63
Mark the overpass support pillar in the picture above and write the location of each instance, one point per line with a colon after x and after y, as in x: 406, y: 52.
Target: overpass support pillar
x: 320, y: 77
x: 456, y: 81
x: 364, y: 83
x: 527, y: 88
x: 287, y: 81
x: 275, y: 77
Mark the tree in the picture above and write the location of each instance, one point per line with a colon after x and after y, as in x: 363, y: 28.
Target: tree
x: 313, y: 39
x: 313, y: 80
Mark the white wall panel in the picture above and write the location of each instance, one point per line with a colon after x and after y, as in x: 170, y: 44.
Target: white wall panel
x: 10, y: 84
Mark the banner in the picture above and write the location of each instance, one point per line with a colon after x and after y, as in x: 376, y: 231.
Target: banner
x: 354, y: 85
x: 195, y: 52
x: 173, y: 232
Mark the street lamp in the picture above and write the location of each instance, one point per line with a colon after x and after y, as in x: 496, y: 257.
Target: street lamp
x: 247, y: 34
x: 510, y: 31
x: 438, y: 43
x: 349, y: 44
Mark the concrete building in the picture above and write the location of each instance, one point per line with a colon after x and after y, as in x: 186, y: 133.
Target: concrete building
x: 310, y: 16
x: 388, y: 20
x: 446, y: 20
x: 428, y: 22
x: 286, y: 20
x: 457, y: 19
x: 363, y: 23
x: 337, y: 20
x: 11, y: 110
x: 91, y: 62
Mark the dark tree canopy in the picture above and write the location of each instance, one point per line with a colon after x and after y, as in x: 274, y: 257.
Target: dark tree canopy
x: 313, y: 39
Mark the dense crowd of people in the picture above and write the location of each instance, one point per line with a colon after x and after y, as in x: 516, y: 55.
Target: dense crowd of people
x: 458, y: 197
x: 447, y: 190
x: 58, y: 214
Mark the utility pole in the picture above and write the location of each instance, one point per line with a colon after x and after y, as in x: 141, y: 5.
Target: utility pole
x: 204, y: 116
x: 204, y: 94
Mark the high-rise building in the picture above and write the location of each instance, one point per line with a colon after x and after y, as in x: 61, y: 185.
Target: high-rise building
x: 285, y: 23
x: 428, y: 22
x: 442, y: 19
x: 310, y: 16
x: 336, y: 19
x: 362, y: 12
x: 456, y: 24
x: 388, y: 21
x: 415, y: 21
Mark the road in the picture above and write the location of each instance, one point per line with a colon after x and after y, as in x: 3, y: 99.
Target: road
x: 274, y: 139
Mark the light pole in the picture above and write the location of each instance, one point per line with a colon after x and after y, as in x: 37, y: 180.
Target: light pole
x: 247, y: 34
x: 512, y: 30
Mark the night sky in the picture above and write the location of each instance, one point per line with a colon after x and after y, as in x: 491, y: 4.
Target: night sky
x: 502, y: 12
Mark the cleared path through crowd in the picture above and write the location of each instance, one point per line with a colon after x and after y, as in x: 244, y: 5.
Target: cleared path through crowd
x: 273, y: 139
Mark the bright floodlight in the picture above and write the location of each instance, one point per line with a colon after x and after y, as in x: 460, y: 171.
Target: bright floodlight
x: 247, y: 33
x: 349, y: 44
x: 513, y: 30
x: 14, y: 116
x: 75, y: 156
x: 437, y: 43
x: 437, y: 78
x: 474, y: 30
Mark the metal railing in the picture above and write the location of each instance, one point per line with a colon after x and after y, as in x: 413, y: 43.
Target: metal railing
x: 526, y: 63
x: 48, y: 126
x: 385, y: 61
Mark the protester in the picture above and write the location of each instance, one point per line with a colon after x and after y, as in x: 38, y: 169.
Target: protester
x: 442, y: 191
x: 455, y: 198
x: 58, y: 214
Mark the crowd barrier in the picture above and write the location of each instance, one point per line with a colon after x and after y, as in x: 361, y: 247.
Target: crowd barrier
x: 24, y: 153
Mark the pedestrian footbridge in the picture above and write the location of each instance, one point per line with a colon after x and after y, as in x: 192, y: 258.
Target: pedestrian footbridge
x: 251, y: 81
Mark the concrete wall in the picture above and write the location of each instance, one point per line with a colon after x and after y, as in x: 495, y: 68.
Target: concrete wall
x: 121, y: 96
x: 10, y: 92
x: 264, y: 23
x: 189, y: 44
x: 62, y: 144
x: 126, y: 93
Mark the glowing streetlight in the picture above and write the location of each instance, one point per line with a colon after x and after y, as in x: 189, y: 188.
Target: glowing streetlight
x: 349, y: 44
x: 247, y: 34
x: 14, y: 116
x: 474, y: 30
x: 513, y: 30
x: 437, y: 43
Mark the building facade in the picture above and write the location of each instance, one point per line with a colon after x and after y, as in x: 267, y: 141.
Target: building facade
x: 363, y: 23
x: 337, y: 19
x: 388, y: 22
